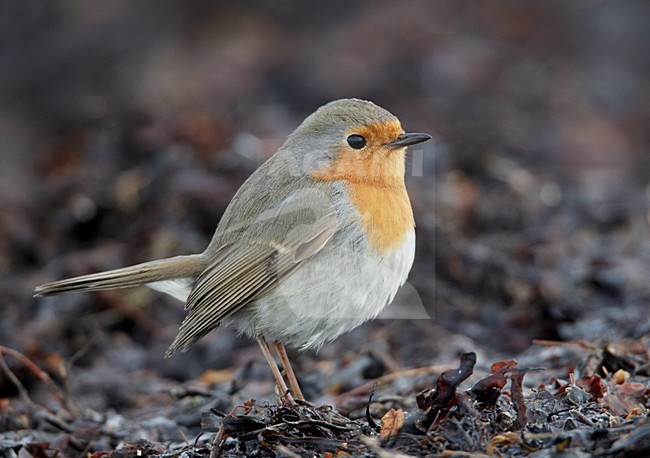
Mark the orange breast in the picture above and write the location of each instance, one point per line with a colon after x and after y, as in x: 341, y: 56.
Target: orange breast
x: 375, y: 179
x: 386, y: 214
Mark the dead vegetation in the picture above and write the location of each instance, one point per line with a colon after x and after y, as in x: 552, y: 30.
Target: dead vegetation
x: 126, y: 131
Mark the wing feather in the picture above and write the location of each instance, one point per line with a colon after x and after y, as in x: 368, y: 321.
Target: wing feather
x: 240, y: 274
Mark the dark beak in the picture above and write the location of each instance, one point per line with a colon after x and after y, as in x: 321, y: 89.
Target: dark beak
x: 409, y: 139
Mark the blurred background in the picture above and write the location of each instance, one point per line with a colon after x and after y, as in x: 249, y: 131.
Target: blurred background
x: 127, y: 127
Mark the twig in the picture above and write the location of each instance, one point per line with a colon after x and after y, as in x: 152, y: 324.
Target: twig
x: 374, y: 446
x: 456, y: 453
x: 366, y: 387
x: 554, y: 343
x: 22, y: 391
x: 32, y: 367
x: 286, y: 451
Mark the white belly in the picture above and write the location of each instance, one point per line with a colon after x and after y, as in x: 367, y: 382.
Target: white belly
x: 328, y: 295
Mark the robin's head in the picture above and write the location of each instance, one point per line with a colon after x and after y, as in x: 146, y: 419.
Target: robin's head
x: 363, y: 145
x: 353, y: 140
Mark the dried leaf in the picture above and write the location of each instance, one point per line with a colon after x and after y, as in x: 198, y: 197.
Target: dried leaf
x: 99, y: 454
x: 621, y: 376
x: 391, y: 423
x: 487, y: 390
x: 517, y: 395
x: 443, y: 396
x: 506, y: 439
x: 214, y: 377
x: 593, y: 385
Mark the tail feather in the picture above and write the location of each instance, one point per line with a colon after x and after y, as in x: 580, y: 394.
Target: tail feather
x: 148, y: 272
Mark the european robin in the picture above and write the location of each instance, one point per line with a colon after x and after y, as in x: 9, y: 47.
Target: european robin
x: 317, y: 241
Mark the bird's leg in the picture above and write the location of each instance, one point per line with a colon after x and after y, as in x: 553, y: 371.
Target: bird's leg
x: 291, y: 376
x: 286, y: 397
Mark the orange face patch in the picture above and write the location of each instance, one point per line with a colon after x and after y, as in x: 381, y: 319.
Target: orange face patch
x: 380, y: 133
x: 375, y: 178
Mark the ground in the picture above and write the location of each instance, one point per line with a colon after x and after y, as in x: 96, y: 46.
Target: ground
x: 126, y: 130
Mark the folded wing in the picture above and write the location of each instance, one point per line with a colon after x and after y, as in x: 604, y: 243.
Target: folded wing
x: 243, y: 271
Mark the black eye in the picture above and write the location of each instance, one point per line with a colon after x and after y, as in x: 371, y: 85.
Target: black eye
x: 356, y: 141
